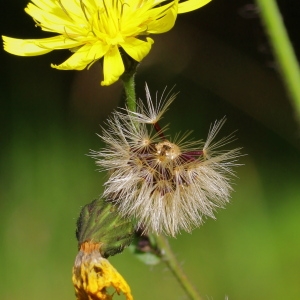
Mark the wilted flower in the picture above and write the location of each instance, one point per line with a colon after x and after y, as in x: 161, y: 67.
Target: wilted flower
x: 93, y: 275
x: 93, y: 29
x: 166, y: 184
x: 101, y: 232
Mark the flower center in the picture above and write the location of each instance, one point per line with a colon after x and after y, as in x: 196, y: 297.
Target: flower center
x: 167, y: 150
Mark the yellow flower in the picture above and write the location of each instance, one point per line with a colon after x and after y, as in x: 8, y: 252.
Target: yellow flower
x: 93, y: 29
x: 93, y: 275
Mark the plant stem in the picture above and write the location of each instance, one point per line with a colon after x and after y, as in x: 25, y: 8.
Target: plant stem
x: 283, y: 50
x: 166, y: 252
x: 170, y: 259
x: 128, y: 81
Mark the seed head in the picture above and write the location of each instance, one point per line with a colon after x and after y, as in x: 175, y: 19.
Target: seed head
x: 166, y: 184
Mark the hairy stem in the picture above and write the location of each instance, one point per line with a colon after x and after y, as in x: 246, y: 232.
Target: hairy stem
x: 166, y: 252
x: 129, y: 87
x: 283, y: 50
x: 170, y: 260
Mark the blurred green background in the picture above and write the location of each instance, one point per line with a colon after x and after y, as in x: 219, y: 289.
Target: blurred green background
x: 221, y: 63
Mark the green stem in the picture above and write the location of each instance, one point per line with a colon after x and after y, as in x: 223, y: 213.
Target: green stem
x: 167, y: 253
x: 129, y: 86
x: 283, y: 50
x: 170, y: 259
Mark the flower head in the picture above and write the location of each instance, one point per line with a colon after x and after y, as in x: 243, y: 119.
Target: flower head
x: 93, y: 275
x: 167, y: 184
x: 93, y: 29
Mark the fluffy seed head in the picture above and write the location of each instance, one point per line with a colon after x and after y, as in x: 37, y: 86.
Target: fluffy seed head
x: 166, y: 184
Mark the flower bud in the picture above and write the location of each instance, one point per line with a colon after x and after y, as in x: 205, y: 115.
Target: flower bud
x: 100, y: 223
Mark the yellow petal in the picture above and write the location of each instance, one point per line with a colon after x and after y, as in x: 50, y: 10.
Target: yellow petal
x: 83, y: 57
x: 165, y: 20
x: 113, y: 66
x: 54, y: 15
x: 46, y: 5
x: 64, y: 17
x: 37, y: 46
x: 190, y: 5
x: 67, y: 6
x: 136, y: 48
x: 93, y: 275
x: 23, y: 47
x: 55, y: 20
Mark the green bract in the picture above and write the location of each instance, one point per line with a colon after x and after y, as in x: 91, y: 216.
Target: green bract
x: 100, y: 222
